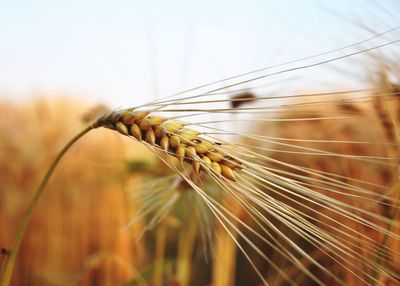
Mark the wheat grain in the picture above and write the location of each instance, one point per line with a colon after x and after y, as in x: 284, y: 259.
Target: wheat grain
x: 174, y: 139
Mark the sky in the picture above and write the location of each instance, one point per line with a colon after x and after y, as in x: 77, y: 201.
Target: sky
x: 125, y: 53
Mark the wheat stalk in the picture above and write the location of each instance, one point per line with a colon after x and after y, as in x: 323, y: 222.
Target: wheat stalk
x: 271, y: 192
x: 254, y: 176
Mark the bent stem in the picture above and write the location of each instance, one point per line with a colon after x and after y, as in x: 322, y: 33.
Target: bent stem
x: 8, y: 270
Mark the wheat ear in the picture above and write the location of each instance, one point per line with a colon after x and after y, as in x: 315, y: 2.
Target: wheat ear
x: 169, y: 136
x: 173, y: 138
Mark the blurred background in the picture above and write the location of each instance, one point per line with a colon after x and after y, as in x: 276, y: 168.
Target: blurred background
x: 59, y: 59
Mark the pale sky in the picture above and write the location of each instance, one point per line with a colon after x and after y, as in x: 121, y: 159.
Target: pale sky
x: 125, y: 53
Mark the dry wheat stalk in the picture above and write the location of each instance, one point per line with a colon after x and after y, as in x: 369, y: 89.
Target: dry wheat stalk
x: 268, y: 188
x: 272, y: 192
x: 316, y: 205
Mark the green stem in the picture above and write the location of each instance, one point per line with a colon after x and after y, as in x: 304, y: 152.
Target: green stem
x: 8, y: 270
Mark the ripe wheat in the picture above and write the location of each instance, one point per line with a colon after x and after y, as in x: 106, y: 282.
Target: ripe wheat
x: 173, y: 138
x: 293, y: 208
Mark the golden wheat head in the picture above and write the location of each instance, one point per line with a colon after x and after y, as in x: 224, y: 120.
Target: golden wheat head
x: 173, y: 138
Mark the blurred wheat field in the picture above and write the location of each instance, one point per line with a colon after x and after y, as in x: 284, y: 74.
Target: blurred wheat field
x: 77, y: 235
x: 339, y: 137
x: 278, y: 163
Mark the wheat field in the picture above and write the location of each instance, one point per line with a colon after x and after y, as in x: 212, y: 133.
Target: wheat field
x: 244, y: 180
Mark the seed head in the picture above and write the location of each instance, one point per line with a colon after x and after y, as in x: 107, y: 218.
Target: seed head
x: 171, y: 137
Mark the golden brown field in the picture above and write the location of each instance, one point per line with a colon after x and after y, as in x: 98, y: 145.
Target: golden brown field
x: 197, y: 143
x: 77, y: 235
